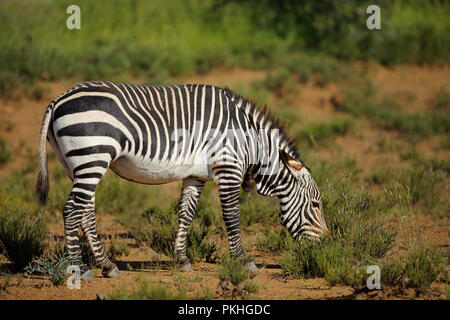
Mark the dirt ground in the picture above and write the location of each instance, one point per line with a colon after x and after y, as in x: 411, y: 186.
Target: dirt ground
x: 20, y: 120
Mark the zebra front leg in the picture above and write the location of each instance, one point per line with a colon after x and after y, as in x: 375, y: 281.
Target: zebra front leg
x: 229, y: 183
x: 110, y: 269
x: 192, y: 188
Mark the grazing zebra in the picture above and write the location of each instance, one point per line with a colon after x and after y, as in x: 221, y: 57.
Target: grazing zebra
x: 159, y: 134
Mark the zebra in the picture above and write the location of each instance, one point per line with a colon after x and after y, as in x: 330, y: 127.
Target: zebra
x: 159, y: 134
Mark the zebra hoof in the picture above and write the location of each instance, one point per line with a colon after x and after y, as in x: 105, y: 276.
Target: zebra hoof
x: 113, y: 273
x: 251, y: 267
x: 87, y: 276
x: 186, y: 267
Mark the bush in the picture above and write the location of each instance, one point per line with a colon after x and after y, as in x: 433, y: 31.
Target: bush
x: 87, y: 256
x: 53, y: 268
x: 22, y: 233
x: 316, y: 133
x: 359, y: 102
x: 122, y: 197
x: 162, y: 233
x: 412, y: 31
x: 234, y: 271
x: 356, y: 238
x: 254, y: 208
x: 4, y: 152
x: 118, y: 248
x: 423, y: 266
x: 147, y: 290
x: 417, y: 269
x: 442, y: 99
x: 273, y: 240
x: 416, y: 186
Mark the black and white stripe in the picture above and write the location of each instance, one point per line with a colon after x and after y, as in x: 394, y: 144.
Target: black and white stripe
x: 155, y: 135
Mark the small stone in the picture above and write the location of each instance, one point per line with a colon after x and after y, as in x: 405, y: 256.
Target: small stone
x: 102, y: 296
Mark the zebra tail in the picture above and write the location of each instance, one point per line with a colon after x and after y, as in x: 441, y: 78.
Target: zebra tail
x: 42, y: 183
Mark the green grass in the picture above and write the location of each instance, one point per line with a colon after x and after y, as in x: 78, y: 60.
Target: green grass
x: 147, y: 290
x: 357, y: 238
x: 52, y: 268
x: 117, y: 248
x: 5, y: 154
x: 414, y: 188
x: 318, y: 133
x: 359, y: 102
x: 124, y: 198
x: 416, y: 269
x: 318, y: 25
x: 442, y: 101
x: 235, y: 278
x: 254, y: 208
x: 22, y: 231
x: 161, y: 234
x: 159, y: 39
x: 273, y: 240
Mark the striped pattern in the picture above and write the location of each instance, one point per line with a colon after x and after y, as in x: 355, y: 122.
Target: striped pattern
x: 155, y: 135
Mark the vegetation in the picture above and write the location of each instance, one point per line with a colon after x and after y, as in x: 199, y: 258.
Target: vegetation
x: 4, y: 152
x: 356, y: 239
x: 118, y: 248
x: 315, y: 133
x: 22, y: 233
x: 52, y: 268
x: 162, y: 232
x: 235, y: 278
x: 158, y: 39
x: 147, y: 290
x: 359, y: 102
x: 420, y: 267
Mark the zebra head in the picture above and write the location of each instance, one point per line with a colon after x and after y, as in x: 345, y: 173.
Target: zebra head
x: 301, y: 210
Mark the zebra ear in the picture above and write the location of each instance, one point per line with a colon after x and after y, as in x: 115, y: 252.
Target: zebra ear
x: 293, y: 164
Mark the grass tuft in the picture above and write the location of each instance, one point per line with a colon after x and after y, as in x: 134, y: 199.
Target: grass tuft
x: 52, y: 268
x: 22, y: 233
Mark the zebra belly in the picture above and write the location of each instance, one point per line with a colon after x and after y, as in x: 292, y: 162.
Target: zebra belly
x: 156, y: 171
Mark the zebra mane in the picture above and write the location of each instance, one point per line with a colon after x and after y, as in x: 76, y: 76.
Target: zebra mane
x: 264, y: 116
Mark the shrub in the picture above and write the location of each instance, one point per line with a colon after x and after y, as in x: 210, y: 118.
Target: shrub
x: 356, y: 238
x: 117, y: 195
x: 118, y: 248
x: 162, y: 232
x: 273, y: 240
x: 359, y: 102
x: 208, y: 209
x: 416, y: 185
x: 22, y: 233
x: 234, y: 271
x: 147, y: 290
x: 423, y: 266
x: 254, y: 208
x: 417, y: 269
x: 53, y: 268
x: 4, y: 152
x: 442, y: 101
x: 316, y: 133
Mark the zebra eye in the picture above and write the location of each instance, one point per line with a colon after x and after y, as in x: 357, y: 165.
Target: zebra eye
x: 315, y: 204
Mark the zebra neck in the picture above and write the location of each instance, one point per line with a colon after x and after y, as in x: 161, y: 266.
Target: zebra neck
x: 272, y: 178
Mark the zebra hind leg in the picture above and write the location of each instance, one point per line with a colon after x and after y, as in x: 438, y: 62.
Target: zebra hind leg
x: 110, y: 269
x: 192, y: 188
x: 72, y: 214
x: 79, y: 212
